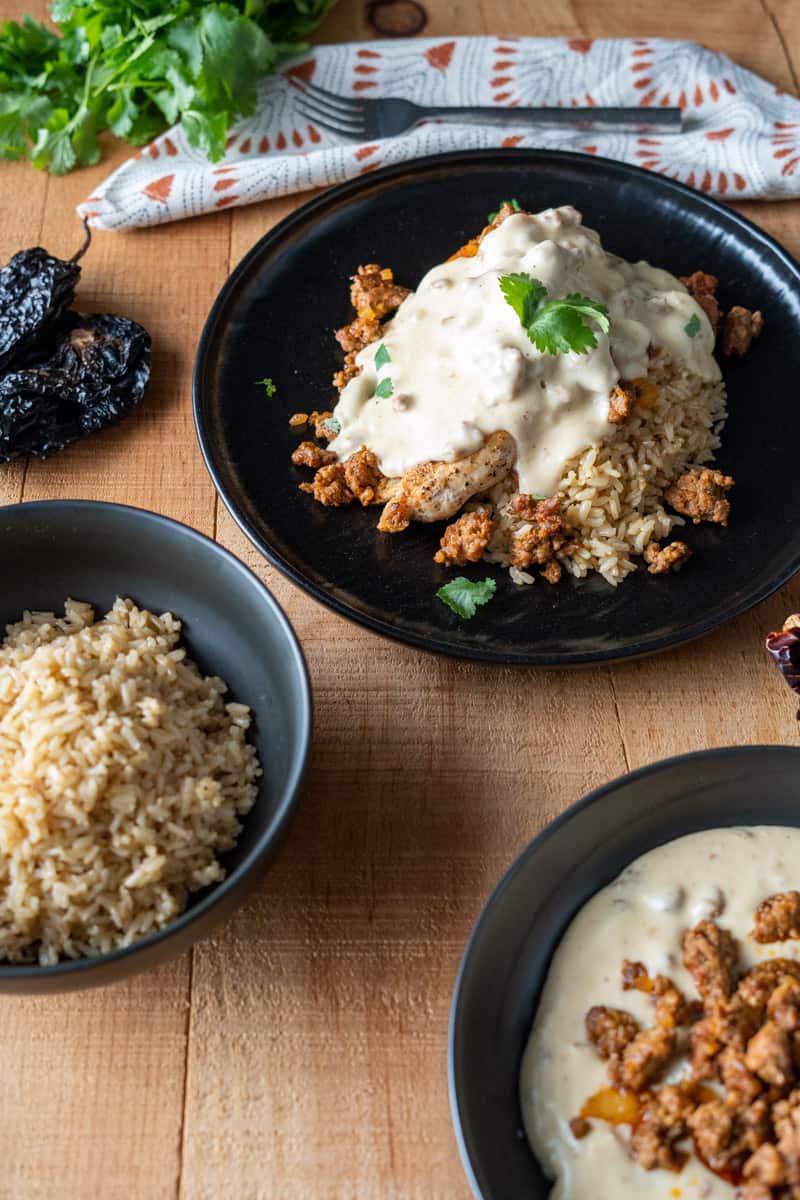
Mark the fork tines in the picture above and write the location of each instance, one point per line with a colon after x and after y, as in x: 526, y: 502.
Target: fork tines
x: 339, y: 114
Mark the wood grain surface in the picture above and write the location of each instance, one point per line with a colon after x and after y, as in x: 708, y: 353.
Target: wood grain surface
x: 301, y: 1053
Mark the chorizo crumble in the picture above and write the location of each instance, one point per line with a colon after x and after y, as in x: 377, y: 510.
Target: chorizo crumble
x: 739, y: 1104
x: 702, y: 288
x: 778, y: 918
x: 671, y: 558
x: 700, y: 494
x: 466, y: 539
x: 741, y: 326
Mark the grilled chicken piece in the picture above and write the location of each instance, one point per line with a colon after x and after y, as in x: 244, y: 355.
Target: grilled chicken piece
x: 435, y: 491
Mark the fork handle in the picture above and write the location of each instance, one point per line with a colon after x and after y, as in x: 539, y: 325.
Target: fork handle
x: 667, y: 120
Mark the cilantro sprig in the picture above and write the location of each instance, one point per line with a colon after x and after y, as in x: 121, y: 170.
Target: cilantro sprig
x: 268, y: 385
x: 136, y: 66
x: 464, y: 596
x: 558, y: 326
x: 515, y: 204
x: 692, y: 326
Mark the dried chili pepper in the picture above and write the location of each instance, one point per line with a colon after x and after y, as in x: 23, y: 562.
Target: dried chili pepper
x: 35, y: 289
x: 90, y: 374
x: 784, y: 646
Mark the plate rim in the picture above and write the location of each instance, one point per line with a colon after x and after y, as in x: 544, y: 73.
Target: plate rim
x: 350, y: 189
x: 518, y: 865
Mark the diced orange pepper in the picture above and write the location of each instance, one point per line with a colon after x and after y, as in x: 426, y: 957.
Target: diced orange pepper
x: 467, y: 251
x: 612, y: 1105
x: 646, y: 393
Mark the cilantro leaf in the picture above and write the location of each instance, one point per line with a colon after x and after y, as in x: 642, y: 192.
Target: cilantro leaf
x: 692, y: 326
x: 60, y: 10
x: 268, y: 386
x: 593, y: 309
x: 382, y: 357
x: 523, y: 294
x: 560, y: 326
x: 235, y: 54
x: 206, y: 131
x: 464, y: 596
x: 53, y: 146
x: 84, y: 138
x: 122, y: 114
x: 385, y: 389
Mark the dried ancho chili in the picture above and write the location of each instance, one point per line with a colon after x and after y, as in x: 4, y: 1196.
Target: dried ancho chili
x: 784, y: 646
x: 35, y: 289
x: 63, y: 375
x: 91, y: 376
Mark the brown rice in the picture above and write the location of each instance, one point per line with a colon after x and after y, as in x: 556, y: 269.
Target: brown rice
x: 611, y: 493
x: 122, y: 774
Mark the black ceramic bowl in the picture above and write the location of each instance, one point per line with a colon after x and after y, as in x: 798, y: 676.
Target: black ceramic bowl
x: 507, y: 957
x: 232, y: 627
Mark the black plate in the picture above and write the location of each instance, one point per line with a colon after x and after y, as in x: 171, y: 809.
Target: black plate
x: 275, y: 315
x: 506, y: 960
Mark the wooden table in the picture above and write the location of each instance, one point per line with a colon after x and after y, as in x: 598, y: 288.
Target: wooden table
x: 301, y: 1053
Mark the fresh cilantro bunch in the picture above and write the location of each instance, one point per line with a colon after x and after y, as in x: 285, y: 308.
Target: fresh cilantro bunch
x: 136, y: 66
x: 558, y: 326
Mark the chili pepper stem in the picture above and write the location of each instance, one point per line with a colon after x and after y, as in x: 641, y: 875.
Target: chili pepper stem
x: 87, y: 241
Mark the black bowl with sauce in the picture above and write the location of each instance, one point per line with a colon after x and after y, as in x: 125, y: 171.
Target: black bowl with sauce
x: 232, y: 627
x: 507, y: 957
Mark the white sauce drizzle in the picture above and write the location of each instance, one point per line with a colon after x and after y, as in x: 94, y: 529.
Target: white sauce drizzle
x: 641, y: 916
x: 463, y: 367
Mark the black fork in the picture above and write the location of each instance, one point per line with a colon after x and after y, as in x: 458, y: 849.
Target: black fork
x: 363, y: 120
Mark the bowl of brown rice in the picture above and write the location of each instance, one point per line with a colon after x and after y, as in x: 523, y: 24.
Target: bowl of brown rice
x: 155, y: 723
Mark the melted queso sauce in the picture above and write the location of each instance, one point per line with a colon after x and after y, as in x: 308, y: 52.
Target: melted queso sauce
x: 462, y: 366
x: 720, y: 874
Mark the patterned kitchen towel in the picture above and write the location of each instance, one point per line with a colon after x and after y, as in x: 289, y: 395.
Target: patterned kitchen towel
x: 741, y: 139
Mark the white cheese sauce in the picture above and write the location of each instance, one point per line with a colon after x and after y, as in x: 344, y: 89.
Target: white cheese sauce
x: 721, y: 874
x: 462, y: 366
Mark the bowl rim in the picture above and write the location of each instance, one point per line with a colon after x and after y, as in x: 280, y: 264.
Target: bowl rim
x: 285, y: 810
x: 518, y: 864
x: 327, y: 201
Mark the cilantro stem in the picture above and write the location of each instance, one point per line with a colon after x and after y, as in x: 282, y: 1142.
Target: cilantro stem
x: 82, y: 110
x: 87, y: 90
x: 137, y: 53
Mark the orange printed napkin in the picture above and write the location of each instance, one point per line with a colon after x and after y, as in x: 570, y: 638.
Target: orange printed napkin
x: 741, y: 138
